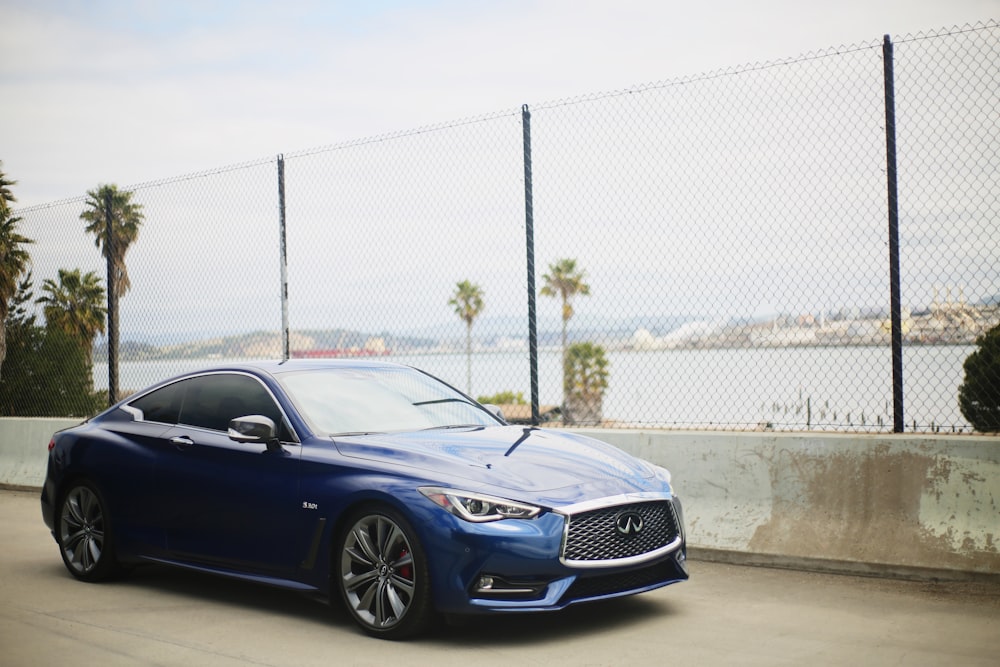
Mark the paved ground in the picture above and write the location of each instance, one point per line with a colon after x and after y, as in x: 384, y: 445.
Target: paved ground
x: 726, y: 615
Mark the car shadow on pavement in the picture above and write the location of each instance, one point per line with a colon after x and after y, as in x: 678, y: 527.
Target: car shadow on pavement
x: 225, y: 591
x: 582, y: 620
x: 586, y: 619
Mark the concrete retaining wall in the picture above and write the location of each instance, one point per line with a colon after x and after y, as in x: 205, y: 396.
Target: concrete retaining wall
x: 24, y: 448
x: 902, y: 505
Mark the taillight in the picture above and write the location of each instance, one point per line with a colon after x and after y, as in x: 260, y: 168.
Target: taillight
x: 52, y: 443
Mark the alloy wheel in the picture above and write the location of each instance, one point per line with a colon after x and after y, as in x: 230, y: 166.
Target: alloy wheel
x: 82, y: 531
x: 378, y: 572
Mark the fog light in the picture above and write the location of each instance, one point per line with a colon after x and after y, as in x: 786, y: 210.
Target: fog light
x: 499, y: 588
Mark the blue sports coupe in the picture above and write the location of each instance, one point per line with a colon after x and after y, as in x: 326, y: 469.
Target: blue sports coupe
x: 370, y: 482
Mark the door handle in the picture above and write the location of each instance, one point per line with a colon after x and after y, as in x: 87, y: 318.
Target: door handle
x: 182, y: 441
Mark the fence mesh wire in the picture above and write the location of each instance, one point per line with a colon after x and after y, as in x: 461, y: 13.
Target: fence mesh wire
x: 727, y: 233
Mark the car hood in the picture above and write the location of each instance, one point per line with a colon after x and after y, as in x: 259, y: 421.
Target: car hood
x: 536, y: 464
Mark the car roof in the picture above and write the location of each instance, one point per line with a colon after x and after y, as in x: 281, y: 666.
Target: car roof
x: 275, y: 367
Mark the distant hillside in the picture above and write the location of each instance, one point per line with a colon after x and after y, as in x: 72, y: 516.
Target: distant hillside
x: 267, y: 344
x: 259, y: 344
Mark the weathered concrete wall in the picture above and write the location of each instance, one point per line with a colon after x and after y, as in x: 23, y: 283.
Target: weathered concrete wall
x: 878, y: 503
x: 886, y: 504
x: 24, y: 449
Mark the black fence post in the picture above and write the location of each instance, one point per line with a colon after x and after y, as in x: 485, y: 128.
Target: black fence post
x: 283, y: 259
x: 529, y: 231
x: 893, y: 205
x: 109, y: 253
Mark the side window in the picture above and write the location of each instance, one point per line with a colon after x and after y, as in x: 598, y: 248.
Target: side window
x: 212, y: 401
x: 162, y: 405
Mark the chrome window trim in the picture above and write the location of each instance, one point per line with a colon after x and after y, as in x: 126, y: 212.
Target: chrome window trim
x: 139, y: 416
x: 137, y: 413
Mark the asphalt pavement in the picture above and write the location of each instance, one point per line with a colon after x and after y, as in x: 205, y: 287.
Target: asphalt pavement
x: 725, y: 615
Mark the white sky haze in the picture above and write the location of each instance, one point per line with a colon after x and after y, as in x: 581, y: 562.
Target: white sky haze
x: 129, y: 92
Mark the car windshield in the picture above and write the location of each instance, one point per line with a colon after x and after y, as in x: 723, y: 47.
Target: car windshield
x: 338, y: 401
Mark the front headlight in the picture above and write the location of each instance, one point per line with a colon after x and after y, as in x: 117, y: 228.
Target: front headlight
x: 477, y: 507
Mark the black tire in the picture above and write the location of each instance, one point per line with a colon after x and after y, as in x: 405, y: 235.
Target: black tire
x: 381, y: 572
x: 84, y: 534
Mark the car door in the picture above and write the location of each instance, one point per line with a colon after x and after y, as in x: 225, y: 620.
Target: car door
x: 226, y: 504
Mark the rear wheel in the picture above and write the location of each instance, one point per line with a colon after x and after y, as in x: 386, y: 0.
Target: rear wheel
x: 84, y: 534
x: 382, y: 575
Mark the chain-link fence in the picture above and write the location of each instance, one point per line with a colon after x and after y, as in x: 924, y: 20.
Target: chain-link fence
x: 719, y: 251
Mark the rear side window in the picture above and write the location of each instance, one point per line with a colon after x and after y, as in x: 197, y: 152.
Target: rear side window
x: 162, y: 405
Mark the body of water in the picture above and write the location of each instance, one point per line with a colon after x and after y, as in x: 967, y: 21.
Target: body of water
x: 831, y: 388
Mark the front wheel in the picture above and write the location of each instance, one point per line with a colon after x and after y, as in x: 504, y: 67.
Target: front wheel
x: 84, y: 534
x: 382, y: 574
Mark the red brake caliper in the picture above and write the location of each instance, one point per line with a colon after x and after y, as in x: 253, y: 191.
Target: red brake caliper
x: 407, y: 570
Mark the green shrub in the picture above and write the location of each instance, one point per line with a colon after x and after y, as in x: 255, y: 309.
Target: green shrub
x: 979, y: 393
x: 45, y: 374
x: 585, y: 378
x: 504, y: 398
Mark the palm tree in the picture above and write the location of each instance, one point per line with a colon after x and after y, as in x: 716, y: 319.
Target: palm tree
x: 6, y: 196
x: 565, y: 280
x: 75, y: 306
x: 468, y: 303
x: 586, y: 377
x: 14, y: 259
x: 114, y: 220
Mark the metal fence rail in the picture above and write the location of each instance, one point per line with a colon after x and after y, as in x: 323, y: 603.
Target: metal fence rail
x: 729, y: 237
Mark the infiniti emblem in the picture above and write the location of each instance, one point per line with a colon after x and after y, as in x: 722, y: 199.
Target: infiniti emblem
x: 629, y: 523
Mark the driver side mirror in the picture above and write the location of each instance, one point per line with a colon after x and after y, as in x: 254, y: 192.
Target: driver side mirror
x: 253, y: 429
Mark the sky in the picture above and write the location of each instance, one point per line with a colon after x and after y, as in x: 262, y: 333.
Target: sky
x: 97, y: 91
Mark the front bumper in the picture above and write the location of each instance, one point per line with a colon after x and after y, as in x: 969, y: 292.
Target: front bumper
x: 521, y: 565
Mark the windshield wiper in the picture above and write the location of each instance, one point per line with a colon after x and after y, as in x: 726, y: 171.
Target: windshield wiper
x: 338, y: 435
x: 447, y: 426
x: 444, y: 400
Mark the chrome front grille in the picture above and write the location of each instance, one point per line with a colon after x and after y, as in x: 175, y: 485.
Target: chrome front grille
x: 613, y: 534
